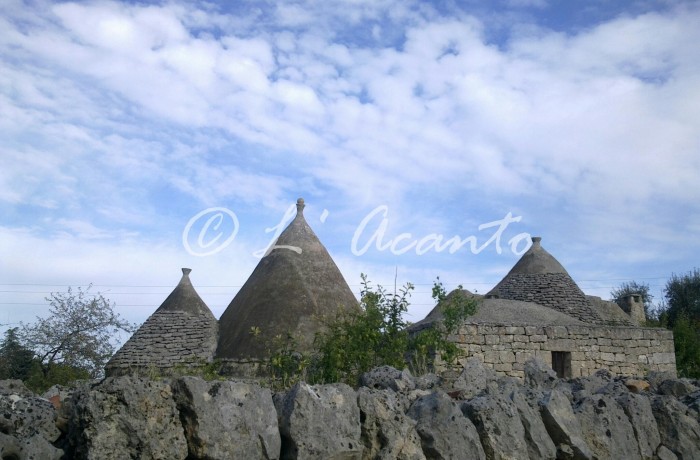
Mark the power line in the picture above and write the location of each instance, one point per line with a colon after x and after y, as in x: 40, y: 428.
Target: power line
x: 481, y: 283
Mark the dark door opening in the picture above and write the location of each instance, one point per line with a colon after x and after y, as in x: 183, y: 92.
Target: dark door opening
x: 561, y: 363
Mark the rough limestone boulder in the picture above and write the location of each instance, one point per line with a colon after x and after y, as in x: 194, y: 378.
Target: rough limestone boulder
x: 35, y: 448
x: 474, y: 379
x: 582, y: 387
x: 677, y: 387
x: 387, y: 433
x: 497, y: 421
x: 428, y: 382
x: 227, y: 419
x: 444, y: 431
x: 24, y: 417
x: 388, y: 378
x: 14, y: 387
x: 656, y: 378
x: 663, y: 453
x: 693, y: 402
x: 563, y: 426
x: 27, y: 424
x: 606, y: 428
x: 539, y: 375
x: 679, y: 432
x: 539, y: 444
x: 319, y: 422
x: 125, y: 418
x: 638, y: 411
x: 9, y: 446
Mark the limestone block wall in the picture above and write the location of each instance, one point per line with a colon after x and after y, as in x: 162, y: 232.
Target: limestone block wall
x: 629, y: 351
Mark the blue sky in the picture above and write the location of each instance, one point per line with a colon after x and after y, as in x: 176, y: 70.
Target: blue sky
x: 123, y: 121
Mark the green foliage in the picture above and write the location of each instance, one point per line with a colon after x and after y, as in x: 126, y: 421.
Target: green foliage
x: 682, y: 295
x: 16, y: 361
x: 41, y: 379
x: 286, y: 366
x: 454, y: 308
x: 686, y: 337
x: 201, y: 368
x: 681, y: 313
x: 77, y: 336
x: 633, y: 287
x: 354, y: 343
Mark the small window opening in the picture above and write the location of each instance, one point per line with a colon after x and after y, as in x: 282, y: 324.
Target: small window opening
x: 561, y: 363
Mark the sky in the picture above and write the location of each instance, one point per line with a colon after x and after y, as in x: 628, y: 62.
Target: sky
x: 428, y: 139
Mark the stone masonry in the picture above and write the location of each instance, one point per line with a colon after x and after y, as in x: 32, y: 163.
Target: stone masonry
x: 173, y: 338
x: 553, y: 290
x: 626, y: 351
x: 182, y: 332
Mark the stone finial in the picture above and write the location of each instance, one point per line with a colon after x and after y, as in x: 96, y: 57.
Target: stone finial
x: 300, y: 206
x: 536, y: 240
x: 186, y: 271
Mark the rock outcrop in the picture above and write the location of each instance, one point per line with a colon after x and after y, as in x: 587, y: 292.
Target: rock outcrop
x: 319, y: 422
x: 125, y: 417
x: 27, y: 424
x: 227, y: 419
x: 393, y: 415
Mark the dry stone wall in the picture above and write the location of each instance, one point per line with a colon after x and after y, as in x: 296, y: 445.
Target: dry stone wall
x: 393, y: 415
x: 625, y: 351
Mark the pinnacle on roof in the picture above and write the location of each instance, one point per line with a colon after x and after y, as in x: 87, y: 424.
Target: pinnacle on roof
x: 538, y: 277
x: 537, y: 260
x: 185, y: 298
x: 294, y: 288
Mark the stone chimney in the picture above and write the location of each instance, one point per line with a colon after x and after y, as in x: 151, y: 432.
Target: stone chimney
x: 633, y: 305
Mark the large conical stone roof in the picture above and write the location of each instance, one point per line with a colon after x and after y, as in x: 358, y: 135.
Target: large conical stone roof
x: 181, y: 332
x: 293, y: 290
x: 538, y: 277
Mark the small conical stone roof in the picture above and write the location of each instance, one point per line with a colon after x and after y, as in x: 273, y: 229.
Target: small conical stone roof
x: 294, y: 289
x: 538, y: 277
x: 181, y: 332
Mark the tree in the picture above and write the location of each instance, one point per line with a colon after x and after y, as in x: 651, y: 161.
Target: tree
x: 77, y: 335
x: 681, y: 313
x: 632, y: 287
x: 686, y: 340
x: 682, y: 295
x: 16, y: 361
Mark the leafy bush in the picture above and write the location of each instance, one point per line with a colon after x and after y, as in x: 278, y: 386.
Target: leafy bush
x: 357, y: 342
x: 354, y: 343
x: 454, y: 308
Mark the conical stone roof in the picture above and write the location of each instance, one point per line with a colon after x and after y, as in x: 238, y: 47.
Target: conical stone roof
x: 495, y: 311
x: 293, y: 290
x: 181, y: 332
x: 538, y: 277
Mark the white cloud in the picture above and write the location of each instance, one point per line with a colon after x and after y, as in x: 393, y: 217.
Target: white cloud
x: 119, y: 114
